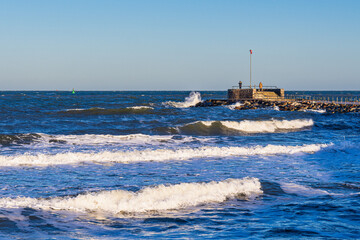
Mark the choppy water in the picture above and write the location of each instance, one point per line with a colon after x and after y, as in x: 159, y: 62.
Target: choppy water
x: 95, y: 165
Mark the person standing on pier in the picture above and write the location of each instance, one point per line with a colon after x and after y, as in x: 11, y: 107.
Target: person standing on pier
x: 240, y: 84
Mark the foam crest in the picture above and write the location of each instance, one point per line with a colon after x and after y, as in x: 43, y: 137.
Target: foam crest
x: 140, y: 107
x: 156, y: 198
x: 75, y: 109
x: 190, y: 101
x: 154, y: 155
x: 268, y: 126
x: 315, y: 110
x: 248, y: 126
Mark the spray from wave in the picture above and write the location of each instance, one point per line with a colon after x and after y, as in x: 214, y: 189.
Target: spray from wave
x: 154, y: 155
x: 233, y: 106
x: 245, y: 126
x: 276, y: 108
x: 190, y: 101
x: 158, y: 198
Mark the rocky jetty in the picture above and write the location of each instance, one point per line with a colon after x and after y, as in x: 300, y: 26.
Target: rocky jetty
x: 286, y: 105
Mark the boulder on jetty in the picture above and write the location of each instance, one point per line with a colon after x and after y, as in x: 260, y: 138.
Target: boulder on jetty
x: 285, y: 105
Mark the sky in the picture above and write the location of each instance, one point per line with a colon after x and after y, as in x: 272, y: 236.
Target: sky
x: 179, y: 44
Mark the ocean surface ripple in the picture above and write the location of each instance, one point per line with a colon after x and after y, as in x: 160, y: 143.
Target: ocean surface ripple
x: 116, y: 165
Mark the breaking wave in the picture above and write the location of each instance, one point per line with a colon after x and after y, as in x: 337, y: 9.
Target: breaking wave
x: 154, y: 155
x: 46, y: 140
x: 245, y: 126
x: 41, y: 141
x: 104, y: 139
x: 190, y: 101
x: 158, y: 198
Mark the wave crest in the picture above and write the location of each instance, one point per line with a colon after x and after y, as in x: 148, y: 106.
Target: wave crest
x: 140, y: 107
x: 38, y: 141
x: 245, y: 126
x: 156, y: 198
x: 104, y: 139
x: 154, y: 155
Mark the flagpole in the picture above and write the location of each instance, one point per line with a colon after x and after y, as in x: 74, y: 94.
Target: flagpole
x: 250, y: 67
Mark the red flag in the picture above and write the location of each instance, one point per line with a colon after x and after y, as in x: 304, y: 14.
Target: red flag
x: 250, y: 51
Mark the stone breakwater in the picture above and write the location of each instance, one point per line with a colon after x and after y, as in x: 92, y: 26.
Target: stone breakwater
x: 285, y: 105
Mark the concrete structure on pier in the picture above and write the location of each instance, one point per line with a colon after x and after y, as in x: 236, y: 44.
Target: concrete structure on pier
x: 266, y: 93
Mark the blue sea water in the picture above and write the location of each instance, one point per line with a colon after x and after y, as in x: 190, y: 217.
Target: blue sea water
x: 116, y: 165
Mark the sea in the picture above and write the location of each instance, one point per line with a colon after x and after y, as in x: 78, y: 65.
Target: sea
x: 149, y: 165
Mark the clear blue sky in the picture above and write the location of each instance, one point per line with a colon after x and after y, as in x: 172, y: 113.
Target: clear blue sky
x: 178, y: 44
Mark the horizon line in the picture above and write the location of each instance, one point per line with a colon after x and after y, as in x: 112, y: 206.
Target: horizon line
x: 70, y: 90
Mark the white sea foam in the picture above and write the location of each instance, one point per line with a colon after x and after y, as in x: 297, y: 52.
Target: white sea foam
x: 233, y: 106
x: 140, y: 107
x: 83, y: 109
x: 154, y: 155
x: 190, y: 101
x: 315, y: 110
x: 268, y: 126
x: 158, y: 198
x: 75, y: 109
x: 302, y: 190
x: 276, y: 108
x: 206, y: 123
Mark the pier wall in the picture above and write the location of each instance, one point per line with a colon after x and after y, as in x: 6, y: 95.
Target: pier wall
x: 252, y: 93
x: 279, y: 91
x: 236, y: 94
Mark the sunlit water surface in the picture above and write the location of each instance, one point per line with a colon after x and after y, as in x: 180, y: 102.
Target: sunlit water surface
x: 109, y: 165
